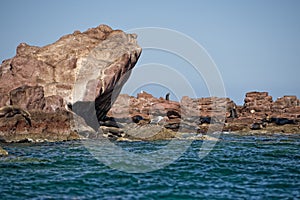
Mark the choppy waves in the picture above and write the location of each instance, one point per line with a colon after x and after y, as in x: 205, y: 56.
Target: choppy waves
x: 239, y: 167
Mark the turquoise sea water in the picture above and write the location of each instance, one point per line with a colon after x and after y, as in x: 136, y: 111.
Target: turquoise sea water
x: 239, y: 167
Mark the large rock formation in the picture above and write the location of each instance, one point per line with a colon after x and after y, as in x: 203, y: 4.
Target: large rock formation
x: 84, y: 71
x: 148, y: 118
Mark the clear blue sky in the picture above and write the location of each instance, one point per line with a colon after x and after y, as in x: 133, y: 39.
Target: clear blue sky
x: 255, y: 44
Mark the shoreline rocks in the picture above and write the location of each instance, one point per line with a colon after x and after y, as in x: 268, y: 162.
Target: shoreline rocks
x: 148, y: 118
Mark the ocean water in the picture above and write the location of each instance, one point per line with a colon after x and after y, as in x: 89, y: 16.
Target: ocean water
x: 238, y: 167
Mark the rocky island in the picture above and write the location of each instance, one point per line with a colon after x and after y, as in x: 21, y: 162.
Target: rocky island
x: 70, y: 89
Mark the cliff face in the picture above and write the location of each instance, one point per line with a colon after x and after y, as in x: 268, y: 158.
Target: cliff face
x: 85, y: 68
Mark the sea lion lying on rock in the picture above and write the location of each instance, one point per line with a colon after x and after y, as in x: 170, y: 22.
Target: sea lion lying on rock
x: 257, y: 126
x: 282, y: 121
x: 10, y: 111
x: 137, y: 118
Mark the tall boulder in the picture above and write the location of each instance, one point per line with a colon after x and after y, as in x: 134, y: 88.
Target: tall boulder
x: 84, y: 69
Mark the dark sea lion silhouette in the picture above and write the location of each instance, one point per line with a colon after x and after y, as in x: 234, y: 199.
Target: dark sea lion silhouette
x: 282, y: 121
x: 168, y: 96
x: 256, y: 126
x: 233, y: 113
x: 10, y: 111
x: 137, y: 118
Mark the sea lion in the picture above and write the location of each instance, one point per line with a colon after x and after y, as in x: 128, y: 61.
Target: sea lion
x: 10, y: 111
x: 233, y: 113
x: 137, y: 118
x: 267, y: 118
x: 168, y: 96
x: 256, y: 126
x: 205, y: 120
x: 282, y: 121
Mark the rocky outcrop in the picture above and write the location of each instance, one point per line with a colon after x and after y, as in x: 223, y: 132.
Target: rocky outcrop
x: 51, y: 127
x: 207, y: 107
x: 70, y: 75
x: 261, y: 114
x: 148, y: 118
x: 145, y: 105
x: 287, y: 106
x: 257, y: 103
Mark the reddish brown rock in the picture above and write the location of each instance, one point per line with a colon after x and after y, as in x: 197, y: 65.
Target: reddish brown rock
x: 287, y: 106
x: 189, y: 115
x: 28, y: 97
x: 54, y: 103
x: 260, y: 110
x: 144, y: 105
x: 204, y: 115
x: 51, y: 127
x: 257, y: 105
x: 144, y: 95
x: 89, y: 67
x: 207, y: 107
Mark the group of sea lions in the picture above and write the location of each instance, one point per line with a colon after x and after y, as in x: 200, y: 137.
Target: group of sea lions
x: 11, y: 111
x: 276, y: 120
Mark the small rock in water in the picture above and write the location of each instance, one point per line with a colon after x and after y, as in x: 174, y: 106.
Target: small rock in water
x: 3, y: 152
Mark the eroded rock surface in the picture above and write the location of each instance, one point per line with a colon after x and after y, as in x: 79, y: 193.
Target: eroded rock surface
x: 80, y: 68
x: 148, y: 118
